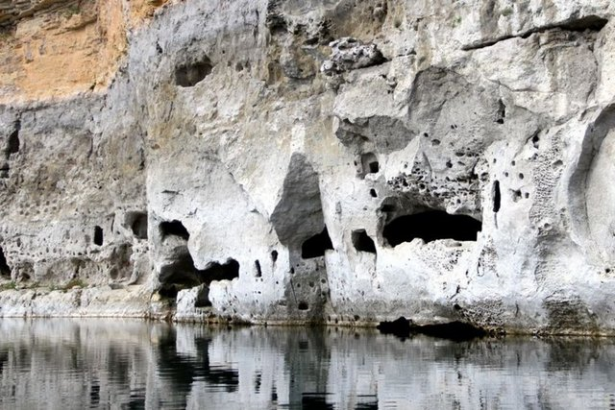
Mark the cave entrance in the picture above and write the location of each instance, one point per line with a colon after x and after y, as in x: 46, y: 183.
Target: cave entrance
x: 189, y: 75
x: 362, y: 242
x: 182, y: 274
x: 316, y: 246
x: 431, y: 226
x: 174, y: 228
x: 5, y: 270
x: 217, y: 271
x: 137, y: 221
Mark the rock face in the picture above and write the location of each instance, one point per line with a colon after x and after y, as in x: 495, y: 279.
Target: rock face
x: 337, y: 161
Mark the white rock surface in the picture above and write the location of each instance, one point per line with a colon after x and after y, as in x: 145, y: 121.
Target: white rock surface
x: 222, y: 124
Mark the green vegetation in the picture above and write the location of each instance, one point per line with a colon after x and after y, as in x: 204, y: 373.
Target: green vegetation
x: 8, y: 286
x: 73, y: 283
x: 507, y: 12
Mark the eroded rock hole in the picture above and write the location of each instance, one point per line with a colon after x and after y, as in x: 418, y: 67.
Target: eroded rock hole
x: 274, y: 256
x: 362, y: 242
x: 316, y: 246
x: 431, y: 226
x: 98, y: 236
x: 497, y: 196
x: 217, y: 271
x: 369, y: 164
x: 5, y: 270
x: 189, y: 75
x: 174, y: 228
x: 259, y: 272
x: 202, y: 297
x: 303, y: 306
x: 373, y: 193
x: 13, y: 142
x: 137, y: 221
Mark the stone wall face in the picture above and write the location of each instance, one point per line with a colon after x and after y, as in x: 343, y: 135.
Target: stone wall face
x: 344, y: 161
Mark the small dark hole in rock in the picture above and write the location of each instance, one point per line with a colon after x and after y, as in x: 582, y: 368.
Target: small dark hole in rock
x: 13, y: 142
x: 373, y: 193
x: 98, y: 236
x: 274, y: 256
x: 257, y: 265
x: 303, y: 306
x: 497, y: 196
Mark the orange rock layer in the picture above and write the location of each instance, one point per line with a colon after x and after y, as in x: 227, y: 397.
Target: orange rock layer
x: 65, y: 48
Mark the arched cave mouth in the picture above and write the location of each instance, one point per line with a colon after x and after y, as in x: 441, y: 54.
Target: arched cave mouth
x: 316, y: 246
x: 431, y: 226
x: 137, y: 221
x: 174, y: 228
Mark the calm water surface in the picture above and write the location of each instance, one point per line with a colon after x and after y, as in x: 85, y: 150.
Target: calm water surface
x: 114, y: 364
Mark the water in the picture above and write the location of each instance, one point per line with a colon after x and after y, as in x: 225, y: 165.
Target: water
x: 115, y: 364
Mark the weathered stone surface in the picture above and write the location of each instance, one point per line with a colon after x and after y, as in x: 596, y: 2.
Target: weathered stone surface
x: 312, y: 180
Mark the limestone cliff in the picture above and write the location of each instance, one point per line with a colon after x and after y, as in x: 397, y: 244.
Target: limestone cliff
x: 345, y: 161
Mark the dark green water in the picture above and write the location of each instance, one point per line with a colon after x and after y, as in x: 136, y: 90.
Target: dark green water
x: 115, y: 364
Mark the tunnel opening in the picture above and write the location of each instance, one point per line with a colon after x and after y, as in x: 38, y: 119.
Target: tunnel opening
x: 189, y: 75
x: 137, y: 221
x: 174, y: 228
x: 5, y: 270
x: 316, y: 246
x: 98, y: 235
x: 362, y: 242
x: 431, y: 226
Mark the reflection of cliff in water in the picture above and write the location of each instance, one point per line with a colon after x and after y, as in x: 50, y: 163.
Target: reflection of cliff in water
x: 60, y: 364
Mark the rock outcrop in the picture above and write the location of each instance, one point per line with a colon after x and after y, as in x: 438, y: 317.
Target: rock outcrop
x: 340, y: 161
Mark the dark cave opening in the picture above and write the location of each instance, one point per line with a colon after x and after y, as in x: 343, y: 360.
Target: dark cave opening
x: 455, y: 331
x: 98, y: 235
x: 369, y: 163
x: 137, y: 221
x: 431, y: 226
x: 259, y: 271
x: 202, y: 298
x: 497, y: 196
x: 13, y: 142
x: 174, y: 228
x: 182, y: 274
x: 316, y: 246
x: 217, y: 271
x: 189, y: 75
x: 362, y: 242
x: 5, y: 270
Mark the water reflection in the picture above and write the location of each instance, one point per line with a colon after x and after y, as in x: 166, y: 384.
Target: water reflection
x: 105, y: 364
